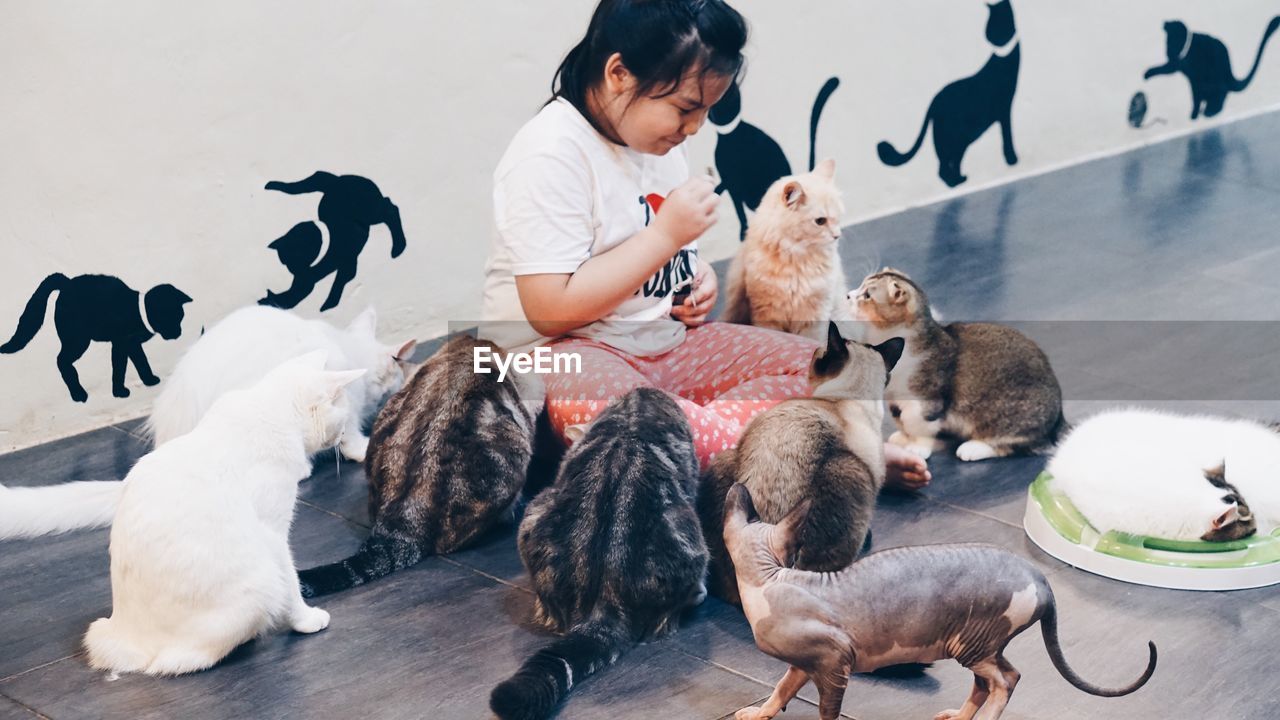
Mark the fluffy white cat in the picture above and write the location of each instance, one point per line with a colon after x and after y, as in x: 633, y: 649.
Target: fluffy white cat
x: 1144, y: 472
x: 243, y: 346
x: 200, y: 558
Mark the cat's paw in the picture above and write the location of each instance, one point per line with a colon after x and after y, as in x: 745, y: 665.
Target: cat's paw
x: 355, y: 448
x: 974, y: 450
x: 751, y: 713
x: 120, y: 392
x: 149, y: 380
x: 310, y: 620
x: 79, y: 395
x: 916, y: 446
x: 948, y: 715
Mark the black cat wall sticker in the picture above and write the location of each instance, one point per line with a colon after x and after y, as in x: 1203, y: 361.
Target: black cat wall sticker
x: 102, y: 308
x: 747, y: 159
x: 1205, y: 62
x: 962, y: 111
x: 350, y: 206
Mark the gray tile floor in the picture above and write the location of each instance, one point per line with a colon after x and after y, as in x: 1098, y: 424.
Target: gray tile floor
x: 1181, y: 231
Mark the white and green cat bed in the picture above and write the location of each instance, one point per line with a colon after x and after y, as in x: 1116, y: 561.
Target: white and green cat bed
x: 1053, y: 523
x: 1189, y: 502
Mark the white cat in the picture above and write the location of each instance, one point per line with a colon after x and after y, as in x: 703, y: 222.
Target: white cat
x: 1145, y: 472
x: 235, y: 353
x: 200, y: 559
x: 243, y: 346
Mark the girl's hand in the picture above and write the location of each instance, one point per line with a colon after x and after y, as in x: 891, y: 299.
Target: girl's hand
x: 695, y: 308
x: 688, y: 212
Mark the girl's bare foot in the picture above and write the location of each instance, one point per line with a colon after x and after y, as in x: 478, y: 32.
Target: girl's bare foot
x: 904, y: 470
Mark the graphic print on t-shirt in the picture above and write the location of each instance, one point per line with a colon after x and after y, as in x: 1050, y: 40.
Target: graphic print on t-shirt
x: 679, y: 270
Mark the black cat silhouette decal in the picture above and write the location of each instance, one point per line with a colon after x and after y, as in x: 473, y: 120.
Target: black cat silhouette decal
x: 748, y: 160
x: 962, y: 111
x: 1205, y: 62
x: 350, y: 206
x: 102, y: 308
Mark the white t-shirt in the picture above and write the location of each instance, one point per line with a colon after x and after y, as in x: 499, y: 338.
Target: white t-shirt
x: 564, y: 193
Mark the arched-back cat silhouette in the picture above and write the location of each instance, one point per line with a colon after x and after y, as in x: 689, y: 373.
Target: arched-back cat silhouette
x: 102, y: 308
x: 962, y: 111
x: 349, y: 207
x: 1205, y: 62
x: 747, y: 159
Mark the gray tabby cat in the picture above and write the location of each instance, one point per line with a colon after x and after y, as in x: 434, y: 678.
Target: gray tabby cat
x: 987, y: 386
x: 826, y: 449
x: 447, y: 458
x: 613, y: 548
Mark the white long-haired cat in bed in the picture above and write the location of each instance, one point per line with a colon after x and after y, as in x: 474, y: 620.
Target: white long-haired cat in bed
x: 1182, y: 477
x: 243, y: 346
x: 200, y: 559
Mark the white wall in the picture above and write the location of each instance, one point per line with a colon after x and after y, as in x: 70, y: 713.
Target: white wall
x: 137, y: 136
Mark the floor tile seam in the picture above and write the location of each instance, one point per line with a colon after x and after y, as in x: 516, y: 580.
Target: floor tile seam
x: 483, y: 574
x: 978, y: 513
x: 745, y: 676
x: 26, y: 707
x: 41, y: 666
x: 327, y: 511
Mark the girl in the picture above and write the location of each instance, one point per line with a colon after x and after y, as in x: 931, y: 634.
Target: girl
x: 597, y: 227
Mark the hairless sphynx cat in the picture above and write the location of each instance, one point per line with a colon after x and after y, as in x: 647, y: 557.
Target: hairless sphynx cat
x: 903, y: 605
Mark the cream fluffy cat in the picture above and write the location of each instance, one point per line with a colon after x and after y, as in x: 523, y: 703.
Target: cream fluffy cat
x: 1149, y: 473
x: 200, y: 558
x: 787, y: 276
x: 245, y: 345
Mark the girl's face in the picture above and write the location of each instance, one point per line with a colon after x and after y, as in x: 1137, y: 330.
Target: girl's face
x: 654, y: 125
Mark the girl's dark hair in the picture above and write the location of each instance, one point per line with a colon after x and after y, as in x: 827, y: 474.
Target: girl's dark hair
x: 660, y: 41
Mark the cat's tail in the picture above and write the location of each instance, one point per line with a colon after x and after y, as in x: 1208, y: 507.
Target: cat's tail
x: 820, y: 102
x: 28, y: 512
x: 544, y: 679
x: 1049, y: 443
x: 1049, y: 628
x: 1238, y: 85
x: 890, y: 156
x: 379, y: 556
x: 33, y: 315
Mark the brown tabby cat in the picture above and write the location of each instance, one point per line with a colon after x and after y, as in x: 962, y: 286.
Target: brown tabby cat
x: 447, y: 458
x: 987, y: 386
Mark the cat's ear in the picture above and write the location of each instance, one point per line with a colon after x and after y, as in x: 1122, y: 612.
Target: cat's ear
x: 738, y: 509
x: 313, y: 360
x: 786, y: 534
x: 891, y: 351
x: 829, y: 359
x: 1217, y: 476
x: 365, y: 323
x: 826, y: 169
x: 1228, y: 516
x: 332, y: 383
x: 405, y: 351
x: 793, y: 194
